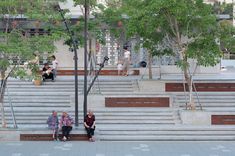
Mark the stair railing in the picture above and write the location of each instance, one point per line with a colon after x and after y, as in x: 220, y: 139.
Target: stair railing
x: 195, y: 90
x: 12, y: 110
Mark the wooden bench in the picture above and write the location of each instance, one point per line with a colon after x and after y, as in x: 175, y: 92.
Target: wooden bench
x: 137, y: 102
x: 46, y: 135
x: 102, y: 72
x: 201, y: 87
x: 223, y: 119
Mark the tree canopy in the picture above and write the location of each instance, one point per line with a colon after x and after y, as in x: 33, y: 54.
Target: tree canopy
x: 17, y: 18
x: 188, y: 29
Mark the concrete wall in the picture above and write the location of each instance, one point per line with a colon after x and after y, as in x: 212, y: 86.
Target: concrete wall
x: 172, y: 69
x: 228, y: 63
x: 65, y: 57
x: 195, y: 117
x: 151, y: 86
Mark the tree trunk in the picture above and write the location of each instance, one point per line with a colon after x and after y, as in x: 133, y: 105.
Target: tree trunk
x: 2, y: 92
x: 150, y: 65
x: 188, y: 79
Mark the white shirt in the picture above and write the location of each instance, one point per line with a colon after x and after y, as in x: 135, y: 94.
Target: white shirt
x: 119, y: 66
x: 55, y: 64
x: 127, y: 54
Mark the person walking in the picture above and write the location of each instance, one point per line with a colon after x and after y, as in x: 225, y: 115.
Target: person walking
x: 89, y: 124
x: 66, y: 123
x: 127, y: 60
x: 53, y: 123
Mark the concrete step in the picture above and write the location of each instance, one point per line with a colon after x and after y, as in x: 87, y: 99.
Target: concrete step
x: 37, y: 98
x: 208, y: 94
x: 167, y: 132
x: 110, y: 122
x: 209, y: 100
x: 108, y: 118
x: 39, y: 94
x: 59, y: 86
x: 33, y: 100
x: 216, y: 97
x: 204, y: 94
x: 216, y: 108
x: 38, y: 105
x: 166, y: 138
x: 71, y: 82
x: 108, y: 89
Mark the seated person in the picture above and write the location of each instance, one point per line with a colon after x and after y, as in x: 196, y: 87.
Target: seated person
x: 53, y: 123
x: 89, y: 124
x: 66, y: 125
x: 47, y: 72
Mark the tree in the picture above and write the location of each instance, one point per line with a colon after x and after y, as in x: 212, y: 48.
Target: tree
x: 17, y: 43
x: 94, y: 27
x: 186, y: 28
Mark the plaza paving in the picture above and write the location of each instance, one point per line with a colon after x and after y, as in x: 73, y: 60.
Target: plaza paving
x: 117, y: 149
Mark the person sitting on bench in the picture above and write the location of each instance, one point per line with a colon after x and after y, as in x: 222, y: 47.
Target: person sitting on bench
x: 66, y: 125
x: 53, y: 123
x: 89, y: 123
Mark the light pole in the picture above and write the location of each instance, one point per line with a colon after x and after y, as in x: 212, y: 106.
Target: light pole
x: 85, y: 58
x: 75, y: 46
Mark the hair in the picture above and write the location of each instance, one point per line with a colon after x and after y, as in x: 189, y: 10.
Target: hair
x: 46, y: 64
x: 53, y: 56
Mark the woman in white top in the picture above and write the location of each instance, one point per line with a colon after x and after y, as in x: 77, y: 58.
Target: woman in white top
x: 126, y: 64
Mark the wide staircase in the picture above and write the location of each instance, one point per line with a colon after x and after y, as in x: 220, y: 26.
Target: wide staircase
x: 32, y: 105
x: 213, y: 101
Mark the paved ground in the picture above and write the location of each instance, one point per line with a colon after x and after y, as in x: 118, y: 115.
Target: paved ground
x: 117, y: 149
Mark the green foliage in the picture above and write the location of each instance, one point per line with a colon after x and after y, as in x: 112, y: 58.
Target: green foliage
x: 15, y: 42
x: 186, y: 28
x: 227, y: 39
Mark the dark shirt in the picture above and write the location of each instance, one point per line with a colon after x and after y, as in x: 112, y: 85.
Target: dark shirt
x: 89, y: 121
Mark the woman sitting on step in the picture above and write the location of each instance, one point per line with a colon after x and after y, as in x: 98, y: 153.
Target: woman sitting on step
x: 53, y: 123
x: 89, y: 123
x: 66, y: 125
x: 47, y: 72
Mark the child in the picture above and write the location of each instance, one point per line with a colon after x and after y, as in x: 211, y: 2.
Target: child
x: 54, y: 65
x: 119, y: 67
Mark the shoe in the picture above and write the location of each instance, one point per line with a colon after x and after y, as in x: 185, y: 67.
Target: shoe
x: 64, y: 139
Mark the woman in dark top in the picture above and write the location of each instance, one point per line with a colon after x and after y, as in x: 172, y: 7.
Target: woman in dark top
x: 89, y: 123
x: 47, y: 72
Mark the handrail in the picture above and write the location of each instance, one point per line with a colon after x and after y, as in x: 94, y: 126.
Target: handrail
x: 12, y: 110
x: 195, y: 89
